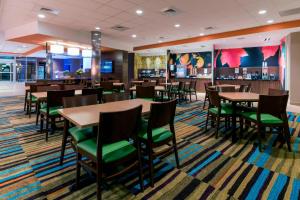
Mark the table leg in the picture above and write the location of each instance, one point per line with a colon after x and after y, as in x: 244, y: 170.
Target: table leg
x: 64, y: 140
x: 234, y: 138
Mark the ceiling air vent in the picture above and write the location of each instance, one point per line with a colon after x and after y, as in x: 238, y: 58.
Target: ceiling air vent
x: 119, y: 28
x: 169, y: 11
x: 50, y: 11
x: 209, y: 28
x: 289, y: 12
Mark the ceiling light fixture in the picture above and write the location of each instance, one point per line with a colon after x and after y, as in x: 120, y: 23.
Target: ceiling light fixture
x: 262, y: 12
x: 159, y: 41
x: 97, y: 28
x: 139, y: 12
x: 134, y: 36
x: 270, y: 21
x: 41, y: 16
x: 177, y: 25
x: 201, y: 34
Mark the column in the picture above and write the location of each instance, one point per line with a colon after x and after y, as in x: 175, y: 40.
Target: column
x: 293, y: 69
x: 49, y: 66
x: 96, y: 56
x: 168, y: 72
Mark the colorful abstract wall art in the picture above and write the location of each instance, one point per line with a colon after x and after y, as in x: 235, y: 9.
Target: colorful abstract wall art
x: 247, y: 57
x: 190, y: 64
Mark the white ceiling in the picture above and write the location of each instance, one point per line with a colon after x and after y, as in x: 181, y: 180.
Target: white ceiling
x: 194, y: 16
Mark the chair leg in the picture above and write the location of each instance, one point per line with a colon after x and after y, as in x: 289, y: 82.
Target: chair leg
x: 205, y: 98
x: 259, y: 138
x: 218, y: 125
x: 176, y: 152
x: 41, y: 123
x: 78, y: 168
x: 64, y: 141
x: 47, y: 126
x: 30, y: 107
x: 37, y: 114
x: 196, y: 96
x: 241, y: 127
x: 190, y: 97
x: 150, y: 164
x: 287, y: 137
x: 140, y: 166
x: 206, y: 123
x: 99, y: 180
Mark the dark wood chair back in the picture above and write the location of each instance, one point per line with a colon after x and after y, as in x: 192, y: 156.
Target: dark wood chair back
x: 116, y: 97
x: 193, y: 85
x: 214, y: 98
x: 272, y: 104
x: 207, y: 84
x: 73, y: 87
x: 249, y: 88
x: 226, y: 89
x: 149, y: 83
x: 162, y: 114
x: 80, y: 100
x: 107, y: 85
x: 243, y: 88
x: 277, y: 92
x: 145, y: 91
x: 55, y: 97
x: 115, y: 126
x: 98, y: 91
x: 45, y: 88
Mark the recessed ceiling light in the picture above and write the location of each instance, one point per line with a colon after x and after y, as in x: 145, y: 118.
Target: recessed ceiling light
x: 159, y: 41
x: 139, y: 12
x: 177, y: 25
x: 97, y: 28
x: 262, y: 12
x: 134, y: 35
x: 24, y: 46
x: 42, y: 16
x: 270, y: 21
x: 201, y: 34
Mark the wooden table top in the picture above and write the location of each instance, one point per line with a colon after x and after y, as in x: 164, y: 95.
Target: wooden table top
x: 157, y: 88
x: 43, y: 95
x: 224, y: 85
x: 114, y: 84
x: 85, y: 116
x: 240, y: 96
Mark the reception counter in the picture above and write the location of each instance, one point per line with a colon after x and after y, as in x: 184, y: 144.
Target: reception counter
x: 258, y: 86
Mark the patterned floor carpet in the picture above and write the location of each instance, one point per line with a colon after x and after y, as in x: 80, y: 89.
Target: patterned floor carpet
x: 211, y: 168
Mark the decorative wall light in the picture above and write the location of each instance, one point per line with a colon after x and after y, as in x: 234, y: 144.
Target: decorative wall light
x: 57, y: 49
x: 73, y: 51
x: 86, y: 53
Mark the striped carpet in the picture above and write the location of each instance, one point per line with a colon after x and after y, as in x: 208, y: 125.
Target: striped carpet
x: 210, y: 168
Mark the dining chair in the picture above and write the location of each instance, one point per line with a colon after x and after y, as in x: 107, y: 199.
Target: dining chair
x: 98, y: 91
x: 145, y: 92
x: 217, y: 110
x: 249, y: 88
x: 73, y: 87
x: 191, y: 89
x: 226, y: 89
x: 116, y: 97
x: 271, y: 112
x: 243, y: 88
x: 206, y: 87
x: 30, y: 100
x: 77, y: 134
x: 108, y: 87
x: 153, y: 133
x: 149, y: 83
x: 116, y: 149
x: 42, y: 103
x: 54, y: 102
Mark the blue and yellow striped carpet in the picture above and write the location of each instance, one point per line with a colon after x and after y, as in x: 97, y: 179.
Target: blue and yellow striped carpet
x: 211, y: 168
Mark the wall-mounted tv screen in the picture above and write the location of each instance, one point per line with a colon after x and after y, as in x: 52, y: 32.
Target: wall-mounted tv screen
x: 106, y: 66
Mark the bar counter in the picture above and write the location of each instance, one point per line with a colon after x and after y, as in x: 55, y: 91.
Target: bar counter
x: 258, y: 86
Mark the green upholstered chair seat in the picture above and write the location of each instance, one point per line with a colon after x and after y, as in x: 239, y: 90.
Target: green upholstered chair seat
x: 148, y: 99
x: 158, y: 134
x: 52, y: 110
x: 265, y: 118
x: 107, y: 92
x: 110, y: 152
x: 81, y: 134
x: 225, y: 110
x: 43, y: 105
x: 33, y: 98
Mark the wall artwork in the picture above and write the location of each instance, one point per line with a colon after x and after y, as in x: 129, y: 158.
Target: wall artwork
x: 195, y: 64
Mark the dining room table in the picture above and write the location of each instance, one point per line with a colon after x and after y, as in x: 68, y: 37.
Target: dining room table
x: 43, y: 95
x: 157, y: 88
x: 235, y: 98
x: 88, y: 116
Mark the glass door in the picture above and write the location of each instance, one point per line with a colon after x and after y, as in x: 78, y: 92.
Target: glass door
x: 6, y: 68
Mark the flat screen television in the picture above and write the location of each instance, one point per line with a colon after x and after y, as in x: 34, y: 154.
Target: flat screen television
x: 106, y: 66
